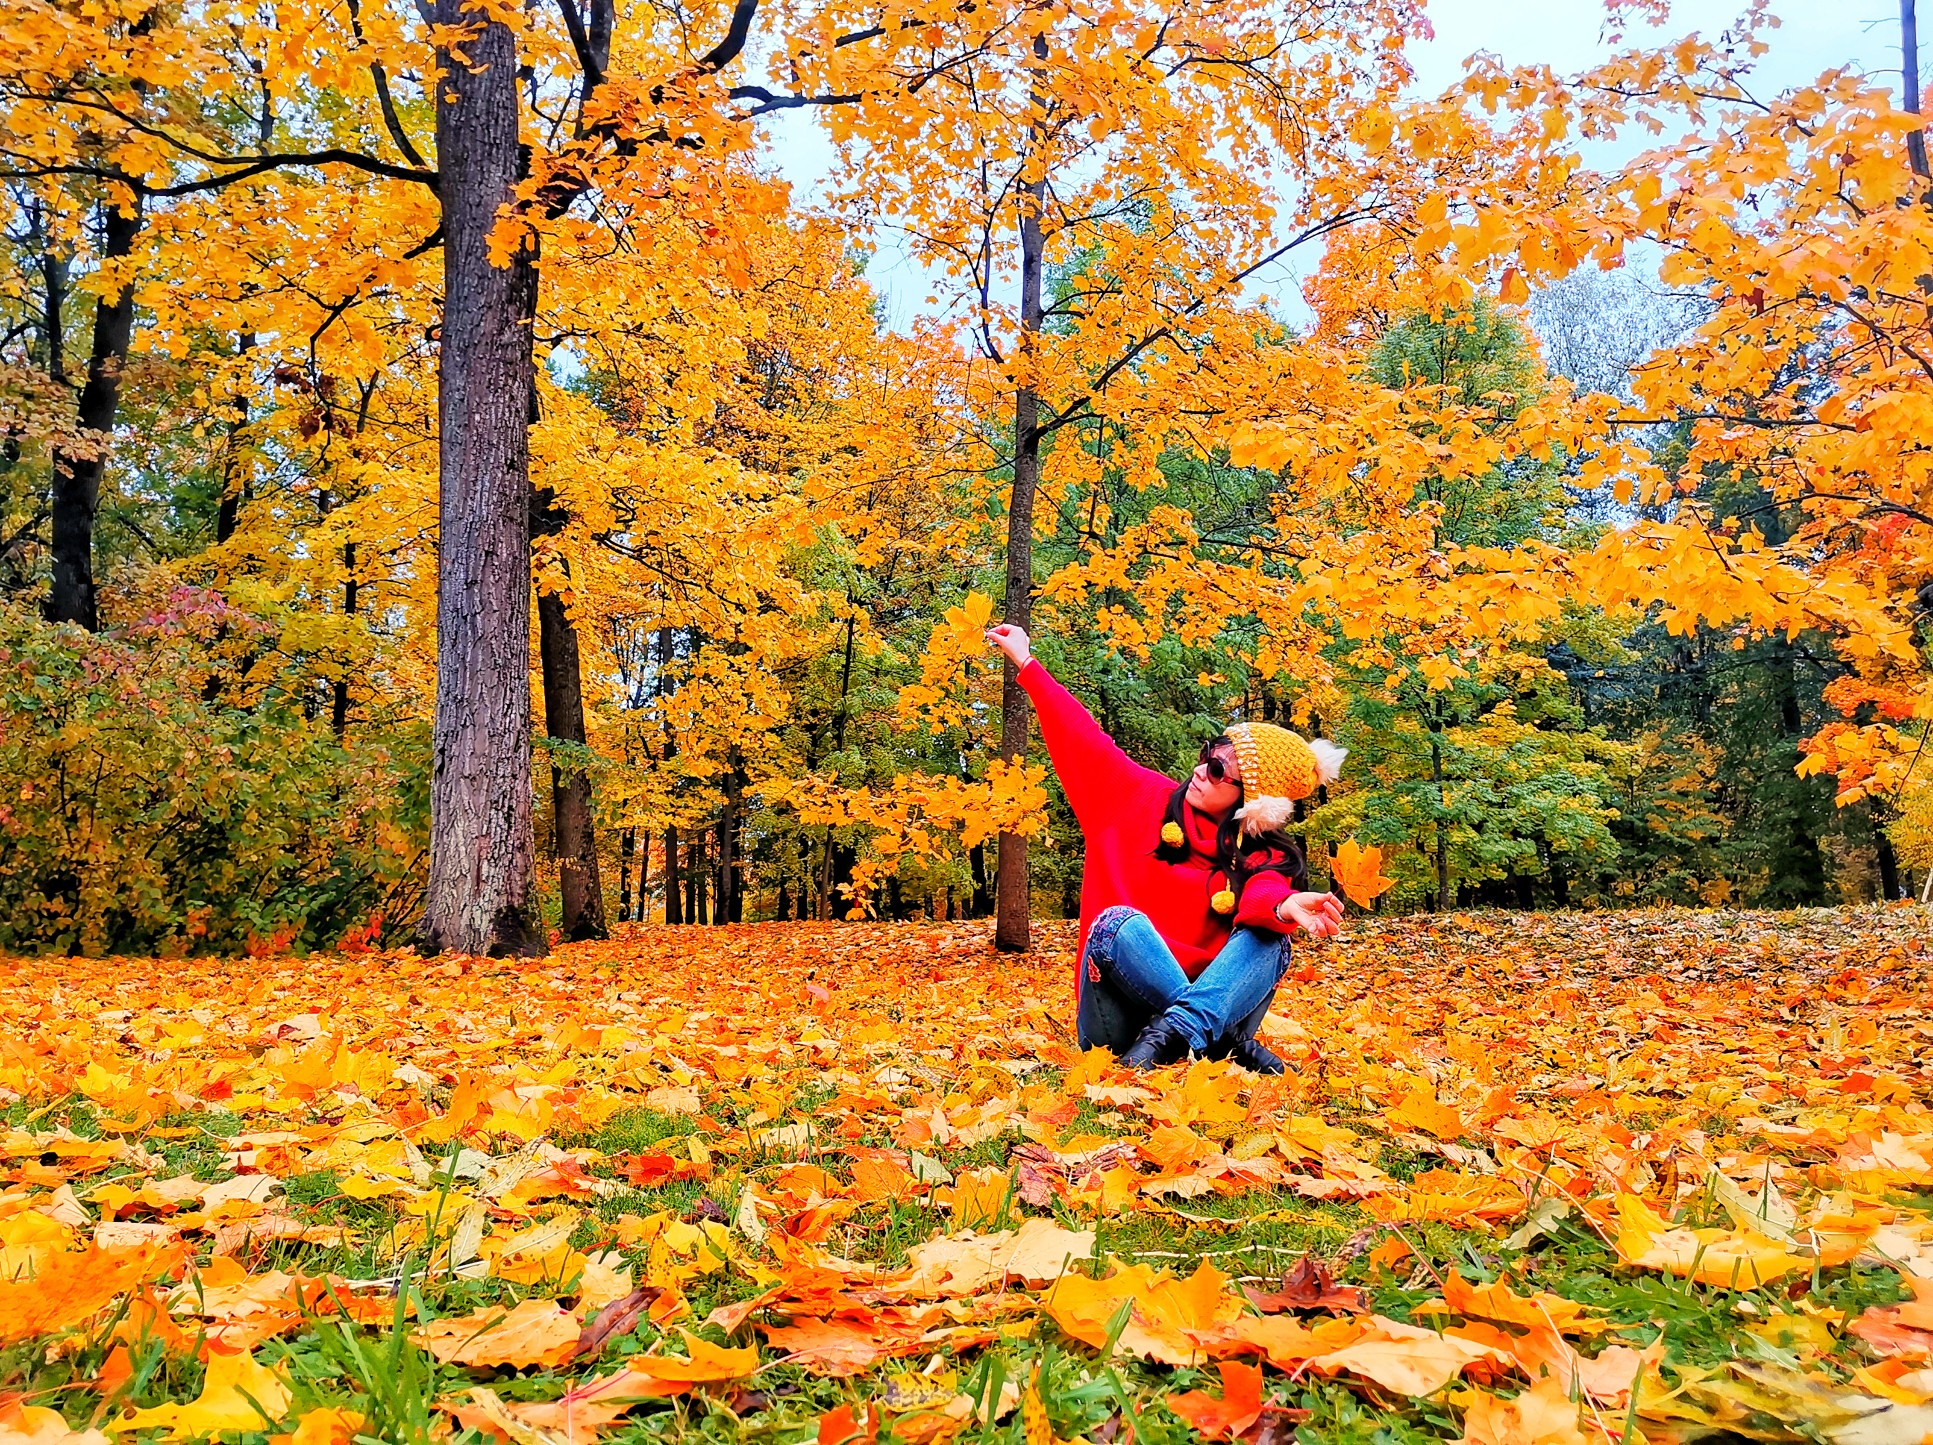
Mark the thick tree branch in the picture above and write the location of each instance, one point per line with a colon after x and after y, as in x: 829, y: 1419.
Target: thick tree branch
x: 727, y: 50
x: 581, y: 43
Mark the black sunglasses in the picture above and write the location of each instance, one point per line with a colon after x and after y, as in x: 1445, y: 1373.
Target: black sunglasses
x: 1217, y: 769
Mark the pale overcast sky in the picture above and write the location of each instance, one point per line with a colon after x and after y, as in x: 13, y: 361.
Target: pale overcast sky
x: 1813, y: 35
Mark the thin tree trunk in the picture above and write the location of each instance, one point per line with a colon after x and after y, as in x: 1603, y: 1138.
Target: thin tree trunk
x: 627, y: 843
x: 731, y: 902
x: 1888, y: 860
x: 643, y: 913
x: 1909, y: 44
x: 697, y: 909
x: 674, y: 911
x: 76, y: 498
x: 573, y: 823
x: 1011, y: 930
x: 339, y: 709
x: 1443, y: 898
x: 234, y: 466
x: 581, y: 913
x: 481, y: 895
x: 981, y: 904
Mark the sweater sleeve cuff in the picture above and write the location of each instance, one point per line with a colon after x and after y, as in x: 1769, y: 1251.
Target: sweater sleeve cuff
x: 1259, y: 902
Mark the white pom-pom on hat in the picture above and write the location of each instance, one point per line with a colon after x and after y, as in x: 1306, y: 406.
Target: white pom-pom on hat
x: 1329, y: 758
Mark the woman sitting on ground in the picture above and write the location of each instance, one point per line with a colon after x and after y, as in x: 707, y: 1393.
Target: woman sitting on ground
x: 1189, y: 889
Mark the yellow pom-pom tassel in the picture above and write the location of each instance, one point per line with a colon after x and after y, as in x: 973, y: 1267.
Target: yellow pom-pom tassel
x: 1171, y: 834
x: 1223, y: 902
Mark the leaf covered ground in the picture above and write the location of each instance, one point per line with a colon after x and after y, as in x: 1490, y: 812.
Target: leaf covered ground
x: 1528, y: 1181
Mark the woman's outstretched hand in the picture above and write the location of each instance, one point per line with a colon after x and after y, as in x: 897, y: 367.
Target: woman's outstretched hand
x: 1012, y: 641
x: 1316, y: 914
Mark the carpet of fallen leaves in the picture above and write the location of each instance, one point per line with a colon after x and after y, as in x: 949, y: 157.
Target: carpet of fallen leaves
x: 1528, y: 1181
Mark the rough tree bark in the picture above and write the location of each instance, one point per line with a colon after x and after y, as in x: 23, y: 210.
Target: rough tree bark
x: 574, y: 829
x: 76, y: 495
x: 1011, y: 930
x: 581, y: 914
x: 482, y: 880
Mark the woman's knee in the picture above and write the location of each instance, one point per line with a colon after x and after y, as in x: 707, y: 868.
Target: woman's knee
x: 1107, y: 927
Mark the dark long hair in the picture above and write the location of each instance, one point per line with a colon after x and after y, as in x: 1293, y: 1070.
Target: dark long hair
x: 1241, y: 858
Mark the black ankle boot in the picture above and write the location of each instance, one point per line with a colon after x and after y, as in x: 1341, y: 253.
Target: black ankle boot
x: 1250, y: 1054
x: 1162, y: 1042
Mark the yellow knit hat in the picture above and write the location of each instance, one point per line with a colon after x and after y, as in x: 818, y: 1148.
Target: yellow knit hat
x: 1278, y: 768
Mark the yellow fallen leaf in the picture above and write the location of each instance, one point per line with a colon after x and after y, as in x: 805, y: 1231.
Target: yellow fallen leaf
x: 237, y: 1393
x: 536, y: 1332
x: 1733, y: 1260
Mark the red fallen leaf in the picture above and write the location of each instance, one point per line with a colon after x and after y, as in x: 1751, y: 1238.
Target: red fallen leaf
x: 839, y: 1427
x: 648, y: 1171
x: 619, y: 1317
x: 1239, y: 1407
x: 1309, y: 1286
x: 1890, y: 1337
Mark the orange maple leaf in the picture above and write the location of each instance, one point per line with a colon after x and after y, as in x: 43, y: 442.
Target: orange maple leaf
x: 1358, y: 871
x: 74, y: 1285
x: 1239, y: 1407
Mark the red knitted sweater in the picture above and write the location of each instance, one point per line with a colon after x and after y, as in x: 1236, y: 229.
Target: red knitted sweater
x: 1120, y: 805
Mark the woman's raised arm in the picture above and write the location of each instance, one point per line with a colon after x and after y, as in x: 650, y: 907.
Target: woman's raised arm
x: 1092, y: 769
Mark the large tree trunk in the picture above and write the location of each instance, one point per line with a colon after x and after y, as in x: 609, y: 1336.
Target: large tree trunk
x: 581, y: 914
x: 77, y: 479
x: 1011, y: 932
x: 482, y: 881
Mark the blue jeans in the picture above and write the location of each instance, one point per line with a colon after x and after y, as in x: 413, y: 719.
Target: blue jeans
x: 1129, y: 977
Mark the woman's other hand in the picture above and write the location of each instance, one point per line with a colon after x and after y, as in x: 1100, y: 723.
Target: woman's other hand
x: 1316, y: 914
x: 1012, y: 641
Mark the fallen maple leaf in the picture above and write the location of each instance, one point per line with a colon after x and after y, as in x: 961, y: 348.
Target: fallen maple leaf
x: 840, y: 1426
x: 705, y: 1364
x: 73, y: 1285
x: 536, y: 1332
x: 326, y: 1425
x: 237, y: 1393
x: 1496, y: 1301
x: 1168, y: 1318
x: 37, y: 1425
x: 619, y: 1317
x: 1039, y: 1253
x: 1404, y: 1358
x: 1732, y: 1260
x: 1358, y: 871
x: 1544, y: 1414
x: 1308, y: 1286
x: 1239, y: 1407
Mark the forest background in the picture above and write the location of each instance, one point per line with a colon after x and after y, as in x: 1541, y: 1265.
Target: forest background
x: 453, y: 486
